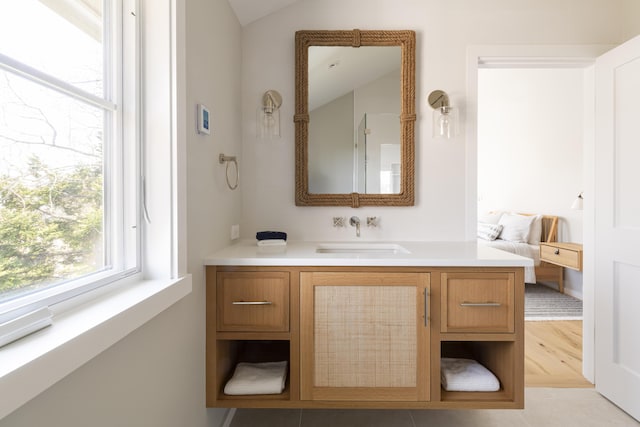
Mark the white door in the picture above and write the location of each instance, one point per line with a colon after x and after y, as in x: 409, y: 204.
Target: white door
x: 617, y: 226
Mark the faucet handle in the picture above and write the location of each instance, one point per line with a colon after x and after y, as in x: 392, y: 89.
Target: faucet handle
x: 372, y: 221
x: 339, y: 221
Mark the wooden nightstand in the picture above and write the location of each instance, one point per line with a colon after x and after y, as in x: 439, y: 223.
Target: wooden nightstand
x: 565, y: 254
x: 554, y: 256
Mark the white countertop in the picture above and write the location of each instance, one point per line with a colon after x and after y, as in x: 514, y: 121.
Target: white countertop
x: 421, y: 254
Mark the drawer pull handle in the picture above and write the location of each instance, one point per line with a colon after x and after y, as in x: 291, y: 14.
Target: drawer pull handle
x: 251, y: 303
x: 557, y: 252
x: 480, y: 304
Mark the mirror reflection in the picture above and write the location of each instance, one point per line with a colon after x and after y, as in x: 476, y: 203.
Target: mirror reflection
x: 354, y: 119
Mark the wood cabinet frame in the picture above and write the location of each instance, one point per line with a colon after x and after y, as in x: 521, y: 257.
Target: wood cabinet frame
x: 502, y: 353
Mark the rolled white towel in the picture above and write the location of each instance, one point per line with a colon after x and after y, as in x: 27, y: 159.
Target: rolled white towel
x: 257, y: 378
x: 466, y: 375
x: 272, y: 242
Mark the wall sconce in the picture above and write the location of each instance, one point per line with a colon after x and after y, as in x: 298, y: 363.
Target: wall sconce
x: 577, y: 203
x: 445, y: 117
x: 268, y: 120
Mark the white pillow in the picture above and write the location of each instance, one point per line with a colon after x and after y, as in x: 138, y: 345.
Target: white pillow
x: 490, y: 217
x: 516, y: 228
x: 536, y: 230
x: 489, y: 231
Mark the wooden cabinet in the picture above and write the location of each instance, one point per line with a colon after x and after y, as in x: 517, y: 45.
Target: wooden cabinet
x: 249, y: 316
x: 482, y: 318
x: 366, y: 337
x: 564, y: 254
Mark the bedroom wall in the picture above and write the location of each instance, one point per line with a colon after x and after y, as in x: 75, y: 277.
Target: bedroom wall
x: 445, y: 199
x: 530, y: 145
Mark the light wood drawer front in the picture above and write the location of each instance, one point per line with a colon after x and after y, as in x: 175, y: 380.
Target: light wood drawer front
x: 253, y: 302
x: 560, y: 256
x: 477, y: 302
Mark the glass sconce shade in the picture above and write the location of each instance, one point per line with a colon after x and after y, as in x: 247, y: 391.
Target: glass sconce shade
x: 445, y: 117
x: 445, y: 122
x: 268, y: 117
x: 268, y: 124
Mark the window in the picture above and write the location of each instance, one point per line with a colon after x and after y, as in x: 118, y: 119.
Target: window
x: 68, y: 150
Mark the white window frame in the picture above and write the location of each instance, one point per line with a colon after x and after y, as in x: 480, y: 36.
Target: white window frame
x: 89, y: 324
x: 25, y: 314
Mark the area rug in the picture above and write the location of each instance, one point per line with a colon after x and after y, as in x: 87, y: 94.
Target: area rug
x: 544, y: 303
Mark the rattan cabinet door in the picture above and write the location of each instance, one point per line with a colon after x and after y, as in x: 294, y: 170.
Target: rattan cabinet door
x: 364, y: 336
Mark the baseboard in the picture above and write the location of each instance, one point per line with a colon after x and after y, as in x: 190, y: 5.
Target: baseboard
x: 573, y: 292
x: 576, y: 293
x: 228, y: 417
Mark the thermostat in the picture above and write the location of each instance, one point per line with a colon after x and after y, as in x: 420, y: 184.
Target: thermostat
x: 203, y: 119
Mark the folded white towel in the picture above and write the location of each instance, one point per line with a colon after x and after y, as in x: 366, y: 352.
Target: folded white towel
x: 257, y: 378
x: 272, y: 242
x: 466, y: 375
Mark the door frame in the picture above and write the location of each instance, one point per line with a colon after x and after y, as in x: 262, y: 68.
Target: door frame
x: 541, y: 56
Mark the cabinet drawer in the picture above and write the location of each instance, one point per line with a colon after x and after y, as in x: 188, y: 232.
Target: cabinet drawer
x: 477, y: 302
x: 253, y: 301
x: 564, y: 255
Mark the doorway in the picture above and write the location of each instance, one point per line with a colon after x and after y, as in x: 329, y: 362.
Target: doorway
x: 524, y: 56
x: 530, y: 141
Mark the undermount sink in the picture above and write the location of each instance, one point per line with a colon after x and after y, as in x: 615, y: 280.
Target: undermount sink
x: 361, y: 248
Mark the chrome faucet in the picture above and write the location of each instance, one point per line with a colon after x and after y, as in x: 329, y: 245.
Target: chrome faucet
x: 355, y: 221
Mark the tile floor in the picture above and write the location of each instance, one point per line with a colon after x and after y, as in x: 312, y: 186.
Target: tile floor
x: 544, y: 407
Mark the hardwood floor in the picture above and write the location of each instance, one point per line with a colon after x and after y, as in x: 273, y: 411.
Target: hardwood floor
x: 553, y: 354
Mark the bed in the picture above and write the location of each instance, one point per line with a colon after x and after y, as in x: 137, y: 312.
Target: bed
x: 521, y: 234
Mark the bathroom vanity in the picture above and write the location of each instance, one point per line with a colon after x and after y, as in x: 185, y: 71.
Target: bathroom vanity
x: 365, y: 325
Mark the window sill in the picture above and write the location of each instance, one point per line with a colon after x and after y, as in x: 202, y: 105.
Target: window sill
x: 34, y: 363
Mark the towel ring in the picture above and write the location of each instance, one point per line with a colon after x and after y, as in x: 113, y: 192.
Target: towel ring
x: 228, y: 160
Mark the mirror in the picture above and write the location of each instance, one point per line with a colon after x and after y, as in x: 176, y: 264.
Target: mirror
x: 355, y: 103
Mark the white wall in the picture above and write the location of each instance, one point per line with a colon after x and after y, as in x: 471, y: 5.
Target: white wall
x: 155, y: 376
x: 331, y: 133
x: 213, y: 78
x: 382, y: 131
x: 530, y: 146
x: 444, y: 32
x: 380, y: 100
